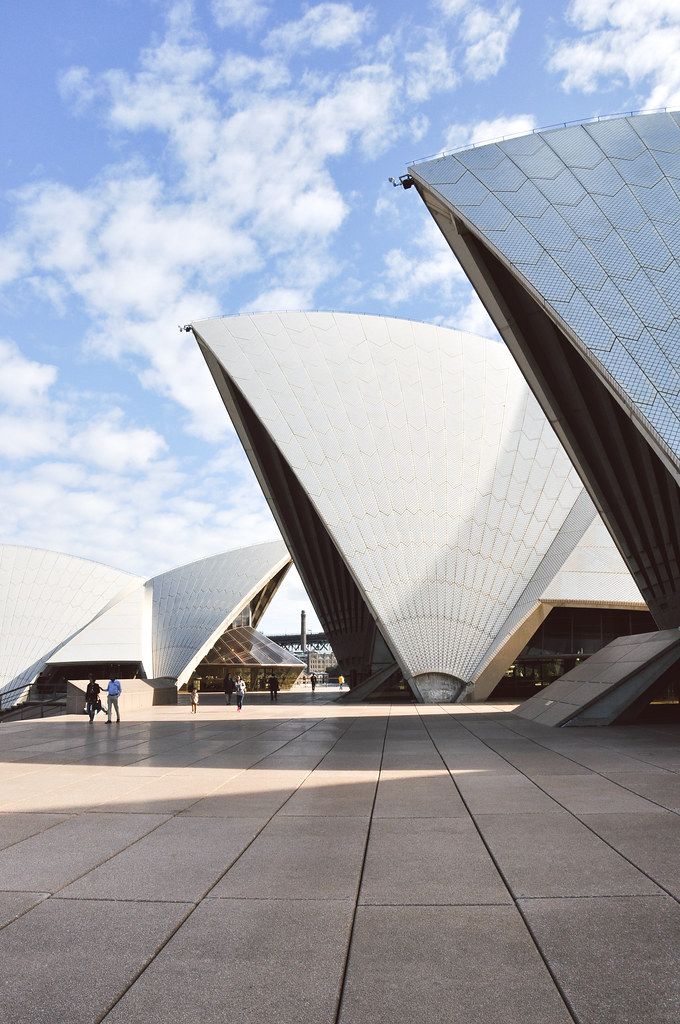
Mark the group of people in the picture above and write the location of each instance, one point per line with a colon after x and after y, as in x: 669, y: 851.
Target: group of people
x: 234, y: 686
x: 93, y: 699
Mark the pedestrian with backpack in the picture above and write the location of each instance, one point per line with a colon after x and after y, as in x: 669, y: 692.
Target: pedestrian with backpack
x: 93, y: 702
x: 113, y: 692
x: 240, y: 691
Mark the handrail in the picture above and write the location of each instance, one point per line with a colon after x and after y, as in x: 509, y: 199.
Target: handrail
x: 48, y: 694
x: 593, y: 119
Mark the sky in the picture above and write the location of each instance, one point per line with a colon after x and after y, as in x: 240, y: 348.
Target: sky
x: 164, y: 161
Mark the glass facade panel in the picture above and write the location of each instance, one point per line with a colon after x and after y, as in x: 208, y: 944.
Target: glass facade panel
x: 567, y: 637
x: 243, y: 650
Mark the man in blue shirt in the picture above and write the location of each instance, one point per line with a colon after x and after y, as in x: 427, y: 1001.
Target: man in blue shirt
x: 113, y: 691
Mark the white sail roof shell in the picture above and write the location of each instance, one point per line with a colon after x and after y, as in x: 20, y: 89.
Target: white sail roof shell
x: 120, y: 634
x: 194, y: 604
x: 594, y: 575
x: 56, y: 609
x: 45, y: 599
x: 427, y: 459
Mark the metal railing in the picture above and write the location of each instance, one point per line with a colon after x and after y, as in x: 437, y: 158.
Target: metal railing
x: 32, y: 701
x: 593, y: 119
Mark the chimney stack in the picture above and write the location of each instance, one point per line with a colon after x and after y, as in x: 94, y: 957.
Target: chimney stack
x: 303, y: 631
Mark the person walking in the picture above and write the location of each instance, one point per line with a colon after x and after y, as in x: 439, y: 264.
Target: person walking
x: 193, y: 697
x: 240, y: 692
x: 313, y: 681
x: 93, y: 702
x: 273, y: 685
x: 228, y: 688
x: 113, y: 692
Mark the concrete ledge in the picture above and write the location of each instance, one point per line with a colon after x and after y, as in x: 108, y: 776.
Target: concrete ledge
x: 137, y: 694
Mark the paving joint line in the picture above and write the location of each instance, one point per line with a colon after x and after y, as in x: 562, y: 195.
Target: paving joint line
x: 593, y: 771
x: 101, y: 1017
x: 575, y: 816
x: 585, y: 824
x: 133, y: 842
x: 558, y: 985
x: 348, y: 955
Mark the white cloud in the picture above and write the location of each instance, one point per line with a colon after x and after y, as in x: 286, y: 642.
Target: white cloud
x: 23, y: 382
x: 238, y: 13
x: 470, y: 315
x: 430, y: 69
x: 326, y: 26
x: 239, y: 69
x: 278, y: 299
x: 486, y: 36
x: 24, y: 436
x: 451, y: 8
x: 623, y: 42
x: 108, y: 443
x: 469, y: 134
x: 428, y: 265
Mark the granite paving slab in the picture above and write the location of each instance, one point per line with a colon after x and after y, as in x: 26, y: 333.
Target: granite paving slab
x: 14, y: 828
x: 418, y: 794
x: 179, y: 861
x: 429, y: 861
x: 582, y: 794
x: 69, y: 961
x: 617, y: 958
x: 662, y: 788
x: 252, y: 794
x: 555, y: 855
x: 246, y: 962
x: 327, y: 793
x: 14, y: 904
x: 651, y: 841
x: 477, y: 965
x: 495, y: 793
x: 300, y: 858
x: 49, y: 860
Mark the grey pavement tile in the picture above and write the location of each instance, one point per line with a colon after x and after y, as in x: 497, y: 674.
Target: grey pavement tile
x: 476, y: 965
x: 348, y: 793
x: 397, y: 761
x: 339, y: 760
x: 49, y: 860
x: 650, y: 841
x: 546, y: 762
x: 167, y: 795
x: 68, y: 961
x: 178, y: 861
x: 284, y: 762
x: 245, y: 962
x: 300, y: 858
x: 14, y: 828
x: 429, y: 861
x: 419, y: 794
x: 618, y: 959
x: 555, y: 855
x: 13, y: 904
x: 662, y: 788
x: 251, y: 794
x: 494, y: 793
x: 478, y: 760
x: 591, y: 793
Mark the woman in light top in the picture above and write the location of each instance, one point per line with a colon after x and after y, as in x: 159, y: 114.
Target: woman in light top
x: 240, y: 691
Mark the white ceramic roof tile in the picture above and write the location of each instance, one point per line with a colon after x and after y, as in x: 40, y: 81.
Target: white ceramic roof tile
x: 461, y: 519
x: 592, y: 222
x: 45, y: 598
x: 194, y: 603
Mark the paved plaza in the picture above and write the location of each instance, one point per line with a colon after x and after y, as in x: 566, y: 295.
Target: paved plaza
x: 310, y: 862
